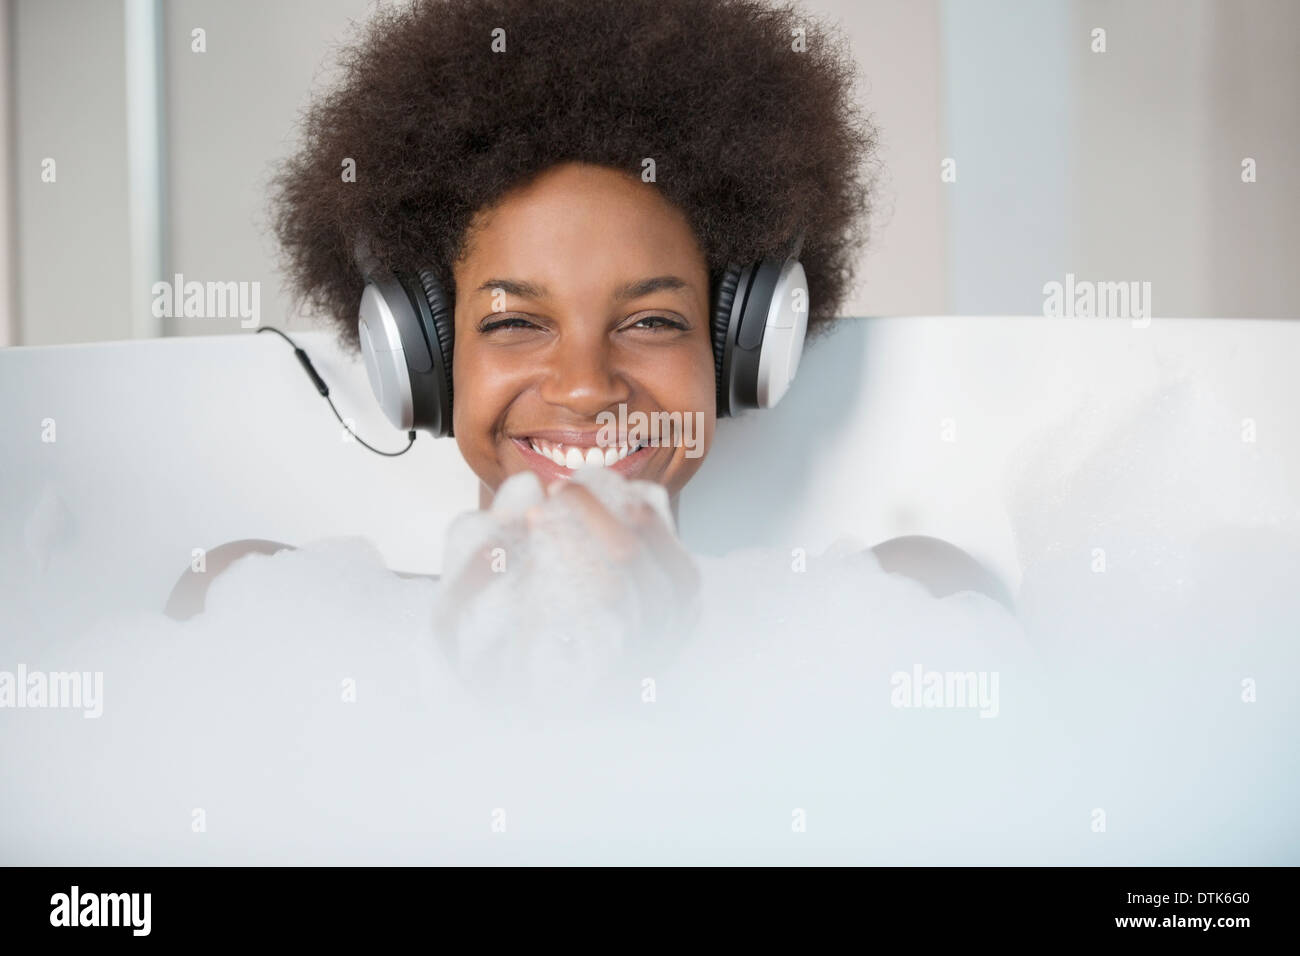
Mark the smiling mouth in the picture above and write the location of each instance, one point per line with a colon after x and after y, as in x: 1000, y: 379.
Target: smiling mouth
x: 572, y: 457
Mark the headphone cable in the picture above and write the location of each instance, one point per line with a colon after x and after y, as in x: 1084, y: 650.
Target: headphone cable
x: 321, y: 387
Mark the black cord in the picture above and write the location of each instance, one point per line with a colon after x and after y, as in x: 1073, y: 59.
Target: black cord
x: 321, y: 387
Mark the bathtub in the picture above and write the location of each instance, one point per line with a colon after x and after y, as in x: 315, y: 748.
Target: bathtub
x: 121, y: 459
x: 897, y: 426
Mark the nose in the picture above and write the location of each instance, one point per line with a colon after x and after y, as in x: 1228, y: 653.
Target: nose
x: 583, y: 376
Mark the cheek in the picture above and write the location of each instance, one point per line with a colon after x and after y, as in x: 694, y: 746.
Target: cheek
x: 704, y: 395
x: 478, y: 399
x: 694, y: 391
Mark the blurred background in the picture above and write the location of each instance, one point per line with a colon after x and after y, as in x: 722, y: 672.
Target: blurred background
x: 1170, y: 156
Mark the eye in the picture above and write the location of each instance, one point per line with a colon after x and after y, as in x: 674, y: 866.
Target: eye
x: 663, y: 320
x: 514, y: 322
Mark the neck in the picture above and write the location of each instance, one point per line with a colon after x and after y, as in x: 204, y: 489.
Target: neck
x: 486, y: 495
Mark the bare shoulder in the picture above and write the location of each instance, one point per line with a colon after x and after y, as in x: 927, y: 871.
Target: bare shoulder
x: 191, y: 588
x: 940, y: 566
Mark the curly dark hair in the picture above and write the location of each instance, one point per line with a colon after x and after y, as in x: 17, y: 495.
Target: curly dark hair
x: 755, y: 141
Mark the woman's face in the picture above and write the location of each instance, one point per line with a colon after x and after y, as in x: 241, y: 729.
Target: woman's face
x: 552, y: 331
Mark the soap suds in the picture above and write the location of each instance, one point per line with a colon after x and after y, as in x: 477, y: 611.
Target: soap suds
x: 809, y: 709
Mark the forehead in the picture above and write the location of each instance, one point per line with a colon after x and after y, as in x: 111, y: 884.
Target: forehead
x: 582, y: 228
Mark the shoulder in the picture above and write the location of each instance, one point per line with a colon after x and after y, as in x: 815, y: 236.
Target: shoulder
x: 191, y: 588
x: 941, y: 567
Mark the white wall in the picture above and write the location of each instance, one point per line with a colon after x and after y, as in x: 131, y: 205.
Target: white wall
x: 897, y: 47
x: 73, y: 234
x: 231, y: 113
x: 1123, y: 165
x: 1008, y: 97
x: 8, y: 250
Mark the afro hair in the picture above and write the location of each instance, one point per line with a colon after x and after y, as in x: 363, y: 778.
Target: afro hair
x: 754, y: 135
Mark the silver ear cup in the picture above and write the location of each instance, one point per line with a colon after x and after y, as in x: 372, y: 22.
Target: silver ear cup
x: 783, y: 334
x: 385, y: 357
x: 763, y: 340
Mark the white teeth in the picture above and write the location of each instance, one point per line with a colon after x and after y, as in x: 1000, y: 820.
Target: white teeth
x: 573, y: 458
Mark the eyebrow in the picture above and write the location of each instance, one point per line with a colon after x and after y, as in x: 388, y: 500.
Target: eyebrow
x: 628, y: 290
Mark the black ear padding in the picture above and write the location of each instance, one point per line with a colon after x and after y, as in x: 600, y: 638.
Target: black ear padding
x: 441, y: 318
x: 726, y: 296
x: 444, y: 325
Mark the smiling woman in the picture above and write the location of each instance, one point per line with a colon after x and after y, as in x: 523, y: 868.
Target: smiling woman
x: 574, y: 183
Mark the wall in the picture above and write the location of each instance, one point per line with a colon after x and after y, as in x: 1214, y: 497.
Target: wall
x: 1114, y: 166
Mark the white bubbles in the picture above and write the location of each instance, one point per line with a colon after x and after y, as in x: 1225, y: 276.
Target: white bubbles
x: 552, y: 614
x: 317, y: 713
x: 516, y: 495
x: 46, y: 528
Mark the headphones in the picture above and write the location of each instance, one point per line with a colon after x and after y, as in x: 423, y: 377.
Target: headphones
x: 759, y: 320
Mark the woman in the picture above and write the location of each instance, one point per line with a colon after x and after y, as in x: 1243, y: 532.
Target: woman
x: 577, y: 175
